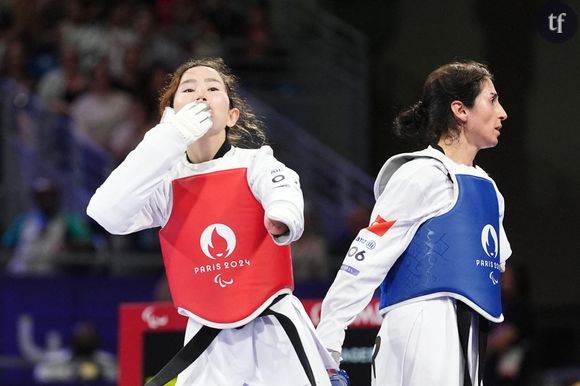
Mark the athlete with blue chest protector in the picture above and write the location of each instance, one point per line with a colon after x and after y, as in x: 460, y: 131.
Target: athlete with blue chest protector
x: 435, y: 244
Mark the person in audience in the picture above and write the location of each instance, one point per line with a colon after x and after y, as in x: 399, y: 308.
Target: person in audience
x: 14, y: 74
x: 59, y: 87
x: 40, y: 237
x: 83, y: 362
x: 102, y: 115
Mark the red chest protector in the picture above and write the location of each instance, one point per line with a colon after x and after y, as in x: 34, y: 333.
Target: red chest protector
x: 221, y: 263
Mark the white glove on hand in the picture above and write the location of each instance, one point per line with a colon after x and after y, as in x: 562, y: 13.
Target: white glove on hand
x: 192, y: 121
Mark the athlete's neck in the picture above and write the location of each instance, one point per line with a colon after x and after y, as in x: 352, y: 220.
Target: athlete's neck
x: 458, y: 150
x: 205, y: 148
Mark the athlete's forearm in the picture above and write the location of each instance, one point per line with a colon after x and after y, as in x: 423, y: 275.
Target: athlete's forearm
x: 122, y: 204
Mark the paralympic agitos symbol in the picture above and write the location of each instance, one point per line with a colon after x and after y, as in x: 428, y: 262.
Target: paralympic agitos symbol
x: 218, y: 241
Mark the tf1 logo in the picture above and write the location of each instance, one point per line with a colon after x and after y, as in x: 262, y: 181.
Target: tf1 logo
x: 556, y: 22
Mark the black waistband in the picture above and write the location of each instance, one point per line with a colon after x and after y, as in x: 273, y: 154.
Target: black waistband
x: 201, y: 341
x: 464, y: 313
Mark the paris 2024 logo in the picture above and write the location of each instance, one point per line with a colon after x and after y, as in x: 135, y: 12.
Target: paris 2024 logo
x: 218, y: 242
x: 490, y: 245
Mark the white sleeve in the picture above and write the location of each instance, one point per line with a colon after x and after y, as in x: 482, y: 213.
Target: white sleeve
x: 136, y: 195
x: 419, y: 190
x: 277, y: 188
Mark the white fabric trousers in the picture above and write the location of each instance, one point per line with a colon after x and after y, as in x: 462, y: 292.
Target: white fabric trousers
x: 259, y: 354
x: 419, y: 346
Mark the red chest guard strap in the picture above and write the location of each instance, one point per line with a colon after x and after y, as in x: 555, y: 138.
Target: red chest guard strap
x: 221, y: 263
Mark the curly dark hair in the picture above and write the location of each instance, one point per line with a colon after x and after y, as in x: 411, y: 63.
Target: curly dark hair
x: 247, y: 132
x: 430, y: 118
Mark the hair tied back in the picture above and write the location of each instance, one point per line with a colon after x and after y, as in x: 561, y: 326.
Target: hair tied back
x: 418, y: 110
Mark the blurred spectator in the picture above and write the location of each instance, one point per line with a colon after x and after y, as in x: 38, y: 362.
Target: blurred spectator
x: 131, y: 79
x: 15, y: 65
x: 258, y: 32
x: 59, y: 87
x: 120, y: 35
x: 509, y: 343
x: 131, y: 131
x: 82, y: 28
x: 228, y: 16
x: 7, y: 27
x: 42, y: 235
x: 15, y: 87
x: 155, y: 47
x: 36, y: 22
x: 184, y: 16
x: 82, y: 363
x: 102, y: 114
x: 206, y: 39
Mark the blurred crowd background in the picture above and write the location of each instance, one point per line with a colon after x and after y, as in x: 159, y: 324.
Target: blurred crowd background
x: 79, y: 81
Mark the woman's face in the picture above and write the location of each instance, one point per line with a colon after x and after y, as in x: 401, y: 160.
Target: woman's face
x: 205, y: 85
x: 484, y: 119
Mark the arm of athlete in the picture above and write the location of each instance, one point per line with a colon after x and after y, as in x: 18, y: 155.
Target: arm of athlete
x: 134, y: 196
x: 277, y: 187
x: 417, y: 191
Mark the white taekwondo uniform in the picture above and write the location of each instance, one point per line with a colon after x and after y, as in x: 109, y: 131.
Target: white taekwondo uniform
x: 138, y: 195
x: 419, y: 342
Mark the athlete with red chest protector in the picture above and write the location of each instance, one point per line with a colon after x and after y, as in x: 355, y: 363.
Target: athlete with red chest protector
x: 228, y: 211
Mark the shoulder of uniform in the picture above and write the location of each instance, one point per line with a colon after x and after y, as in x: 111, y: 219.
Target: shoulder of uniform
x: 409, y: 165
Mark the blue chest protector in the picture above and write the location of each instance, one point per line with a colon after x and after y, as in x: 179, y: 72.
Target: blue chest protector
x: 455, y: 254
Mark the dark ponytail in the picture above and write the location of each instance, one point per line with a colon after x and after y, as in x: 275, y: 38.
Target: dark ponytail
x: 429, y: 119
x: 409, y: 124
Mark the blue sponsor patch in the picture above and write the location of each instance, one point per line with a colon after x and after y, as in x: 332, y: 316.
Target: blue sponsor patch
x: 348, y: 269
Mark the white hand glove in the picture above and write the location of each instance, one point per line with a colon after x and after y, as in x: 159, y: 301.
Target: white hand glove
x: 192, y: 121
